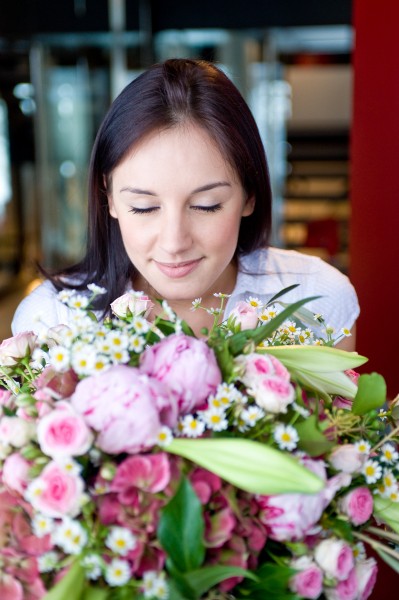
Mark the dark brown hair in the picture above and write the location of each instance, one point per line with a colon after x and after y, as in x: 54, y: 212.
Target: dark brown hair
x: 167, y: 94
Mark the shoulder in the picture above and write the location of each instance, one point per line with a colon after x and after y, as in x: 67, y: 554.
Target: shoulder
x: 40, y: 309
x: 273, y: 269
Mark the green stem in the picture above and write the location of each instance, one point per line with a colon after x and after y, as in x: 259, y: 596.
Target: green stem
x: 384, y: 534
x: 385, y: 439
x: 376, y: 545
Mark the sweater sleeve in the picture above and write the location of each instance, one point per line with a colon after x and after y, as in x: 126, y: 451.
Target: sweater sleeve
x: 39, y: 310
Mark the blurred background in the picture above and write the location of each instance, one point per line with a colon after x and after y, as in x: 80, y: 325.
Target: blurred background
x: 62, y: 63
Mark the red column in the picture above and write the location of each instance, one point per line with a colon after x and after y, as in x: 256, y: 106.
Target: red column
x: 374, y: 230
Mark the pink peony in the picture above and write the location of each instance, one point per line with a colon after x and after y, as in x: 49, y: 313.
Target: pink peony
x: 150, y: 473
x: 63, y: 432
x: 308, y: 582
x: 335, y: 557
x: 366, y: 571
x: 245, y: 315
x: 187, y: 365
x: 132, y: 303
x: 357, y: 505
x: 347, y: 589
x: 126, y: 407
x: 15, y: 473
x: 17, y: 347
x: 347, y: 458
x: 56, y: 493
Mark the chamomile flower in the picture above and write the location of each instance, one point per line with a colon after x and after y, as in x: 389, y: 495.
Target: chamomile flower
x: 93, y: 566
x: 394, y: 496
x: 215, y: 419
x: 96, y: 289
x: 140, y: 325
x: 196, y: 303
x: 164, y: 437
x: 346, y: 332
x: 221, y: 295
x: 117, y: 572
x: 101, y: 363
x: 70, y: 466
x: 389, y: 480
x: 47, y: 562
x: 169, y: 313
x: 83, y: 360
x: 192, y: 427
x: 359, y: 551
x: 300, y: 410
x: 118, y: 340
x: 119, y: 356
x: 120, y: 540
x: 214, y: 311
x: 363, y: 447
x: 65, y: 295
x: 59, y: 358
x: 78, y: 301
x: 382, y: 414
x: 252, y: 415
x: 389, y: 454
x: 33, y: 492
x: 286, y: 436
x: 42, y: 525
x: 136, y: 343
x: 372, y: 471
x: 255, y: 302
x: 70, y: 536
x: 155, y: 586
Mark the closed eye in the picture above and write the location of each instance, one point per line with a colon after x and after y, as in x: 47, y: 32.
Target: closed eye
x: 208, y: 209
x: 143, y: 211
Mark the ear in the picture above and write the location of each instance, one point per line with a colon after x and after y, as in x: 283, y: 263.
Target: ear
x: 249, y: 206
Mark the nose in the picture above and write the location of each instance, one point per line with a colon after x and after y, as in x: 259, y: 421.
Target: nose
x: 175, y: 235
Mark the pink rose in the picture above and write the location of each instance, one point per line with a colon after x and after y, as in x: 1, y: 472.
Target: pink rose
x: 150, y: 473
x: 347, y: 458
x: 346, y: 589
x: 308, y: 582
x: 56, y: 492
x: 357, y: 505
x: 335, y: 557
x: 15, y: 473
x: 187, y: 365
x: 63, y: 432
x: 132, y: 303
x: 245, y: 315
x: 126, y: 407
x: 14, y: 348
x: 366, y: 571
x: 267, y: 380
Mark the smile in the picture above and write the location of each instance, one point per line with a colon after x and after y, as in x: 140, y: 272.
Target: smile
x: 177, y: 270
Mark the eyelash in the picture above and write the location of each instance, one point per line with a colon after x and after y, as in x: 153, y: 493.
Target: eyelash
x: 205, y: 209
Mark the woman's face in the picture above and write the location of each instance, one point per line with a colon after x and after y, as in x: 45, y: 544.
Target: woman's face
x: 179, y: 206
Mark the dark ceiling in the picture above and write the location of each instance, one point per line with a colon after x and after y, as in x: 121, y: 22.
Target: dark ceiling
x: 24, y: 18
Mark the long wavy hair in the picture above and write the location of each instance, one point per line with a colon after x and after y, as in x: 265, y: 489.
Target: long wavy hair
x: 168, y: 94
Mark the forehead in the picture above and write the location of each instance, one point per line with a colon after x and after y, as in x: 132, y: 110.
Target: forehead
x: 184, y: 146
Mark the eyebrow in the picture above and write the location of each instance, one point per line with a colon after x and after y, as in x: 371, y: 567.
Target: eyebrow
x: 203, y: 188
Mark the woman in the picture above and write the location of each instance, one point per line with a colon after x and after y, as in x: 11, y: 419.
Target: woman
x: 180, y: 207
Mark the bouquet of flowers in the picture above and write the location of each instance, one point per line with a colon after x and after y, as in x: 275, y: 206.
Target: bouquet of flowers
x: 139, y: 461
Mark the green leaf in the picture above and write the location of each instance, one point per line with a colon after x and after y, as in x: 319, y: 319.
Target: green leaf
x: 311, y: 439
x: 387, y: 511
x: 181, y: 529
x: 239, y: 340
x: 249, y: 465
x: 282, y: 293
x: 204, y: 579
x: 320, y: 359
x: 371, y: 393
x: 390, y: 560
x: 95, y: 593
x: 70, y: 586
x: 272, y: 584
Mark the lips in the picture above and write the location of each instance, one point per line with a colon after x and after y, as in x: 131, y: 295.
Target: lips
x: 177, y: 270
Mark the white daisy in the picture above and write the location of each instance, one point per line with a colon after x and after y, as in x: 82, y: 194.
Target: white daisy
x: 165, y: 436
x: 117, y: 573
x: 120, y: 540
x: 192, y: 427
x: 70, y: 536
x: 59, y: 358
x: 363, y: 447
x: 42, y: 525
x: 372, y: 471
x: 215, y: 419
x: 96, y: 289
x: 47, y: 562
x: 93, y: 565
x: 286, y: 436
x: 389, y: 453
